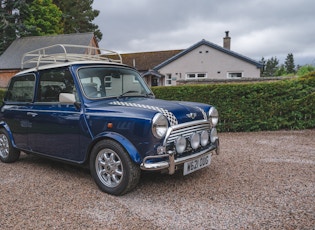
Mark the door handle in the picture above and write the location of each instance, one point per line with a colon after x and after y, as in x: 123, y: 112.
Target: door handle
x: 31, y: 114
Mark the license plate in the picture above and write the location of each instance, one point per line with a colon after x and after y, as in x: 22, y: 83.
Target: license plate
x: 196, y: 164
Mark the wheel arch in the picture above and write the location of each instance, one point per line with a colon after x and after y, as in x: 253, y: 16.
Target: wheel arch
x: 5, y: 126
x: 124, y: 142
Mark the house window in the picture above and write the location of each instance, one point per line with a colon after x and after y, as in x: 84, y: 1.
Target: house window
x: 235, y: 74
x: 196, y: 75
x: 168, y: 79
x: 108, y: 82
x: 135, y: 80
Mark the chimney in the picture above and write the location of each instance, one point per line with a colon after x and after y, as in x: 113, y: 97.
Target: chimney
x: 227, y: 41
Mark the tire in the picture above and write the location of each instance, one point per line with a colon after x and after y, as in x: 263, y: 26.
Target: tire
x: 112, y: 169
x: 7, y: 153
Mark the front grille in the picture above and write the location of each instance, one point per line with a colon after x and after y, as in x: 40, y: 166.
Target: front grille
x: 186, y: 130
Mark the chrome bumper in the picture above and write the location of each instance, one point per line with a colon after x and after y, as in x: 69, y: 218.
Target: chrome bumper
x: 171, y: 163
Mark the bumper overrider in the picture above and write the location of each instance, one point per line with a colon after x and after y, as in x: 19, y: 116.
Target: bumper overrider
x: 171, y: 159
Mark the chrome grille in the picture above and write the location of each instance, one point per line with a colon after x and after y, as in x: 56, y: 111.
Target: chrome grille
x: 185, y: 130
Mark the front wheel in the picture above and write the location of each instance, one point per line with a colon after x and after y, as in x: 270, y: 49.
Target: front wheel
x: 112, y: 169
x: 7, y: 153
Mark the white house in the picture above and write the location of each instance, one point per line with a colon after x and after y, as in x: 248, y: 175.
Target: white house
x: 205, y: 60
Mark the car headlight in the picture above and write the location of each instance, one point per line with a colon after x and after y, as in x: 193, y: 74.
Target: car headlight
x: 213, y: 116
x: 159, y: 125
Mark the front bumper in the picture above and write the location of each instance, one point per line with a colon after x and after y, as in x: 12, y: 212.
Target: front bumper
x: 171, y: 163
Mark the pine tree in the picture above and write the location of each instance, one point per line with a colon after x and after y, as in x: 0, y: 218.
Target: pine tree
x: 271, y: 67
x: 262, y: 70
x: 78, y: 16
x: 289, y: 64
x: 12, y: 15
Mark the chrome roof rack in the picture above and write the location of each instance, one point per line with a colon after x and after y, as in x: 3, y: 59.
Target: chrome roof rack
x: 61, y: 53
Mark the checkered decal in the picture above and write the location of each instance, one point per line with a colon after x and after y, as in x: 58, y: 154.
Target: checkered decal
x: 170, y: 116
x: 203, y: 113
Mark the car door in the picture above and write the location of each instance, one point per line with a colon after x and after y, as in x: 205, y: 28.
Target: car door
x: 56, y: 128
x: 17, y: 102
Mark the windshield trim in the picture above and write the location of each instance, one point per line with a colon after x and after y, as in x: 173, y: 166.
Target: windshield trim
x: 145, y: 89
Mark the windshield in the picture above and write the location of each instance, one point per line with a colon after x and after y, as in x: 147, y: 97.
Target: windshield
x: 100, y: 82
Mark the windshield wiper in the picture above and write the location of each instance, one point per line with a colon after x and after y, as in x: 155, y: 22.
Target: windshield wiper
x: 149, y: 95
x: 123, y: 94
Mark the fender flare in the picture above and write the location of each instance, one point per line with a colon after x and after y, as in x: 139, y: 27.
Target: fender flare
x: 124, y: 142
x: 6, y: 127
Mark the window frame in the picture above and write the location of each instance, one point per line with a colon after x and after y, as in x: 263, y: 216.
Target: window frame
x: 16, y: 79
x: 234, y: 73
x: 168, y: 79
x: 195, y: 74
x: 59, y: 70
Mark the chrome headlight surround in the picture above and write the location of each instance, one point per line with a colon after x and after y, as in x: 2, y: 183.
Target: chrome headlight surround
x: 213, y: 116
x: 159, y: 125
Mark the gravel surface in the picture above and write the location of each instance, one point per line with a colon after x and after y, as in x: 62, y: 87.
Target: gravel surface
x: 261, y: 180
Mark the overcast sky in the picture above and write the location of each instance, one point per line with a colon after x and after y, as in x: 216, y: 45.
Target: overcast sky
x: 258, y: 28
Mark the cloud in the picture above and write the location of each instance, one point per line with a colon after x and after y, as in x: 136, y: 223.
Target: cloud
x: 258, y: 28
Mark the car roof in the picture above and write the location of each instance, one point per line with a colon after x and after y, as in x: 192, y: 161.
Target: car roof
x: 58, y: 65
x: 61, y: 55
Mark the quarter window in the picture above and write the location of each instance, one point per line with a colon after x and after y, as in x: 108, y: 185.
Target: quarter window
x: 21, y: 89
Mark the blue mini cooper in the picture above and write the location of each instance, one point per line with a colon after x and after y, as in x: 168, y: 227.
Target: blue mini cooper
x: 92, y: 110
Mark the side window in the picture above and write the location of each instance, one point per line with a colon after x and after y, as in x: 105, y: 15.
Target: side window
x: 53, y: 82
x: 21, y: 89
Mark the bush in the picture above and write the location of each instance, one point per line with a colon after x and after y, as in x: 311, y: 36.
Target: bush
x: 286, y: 104
x: 305, y: 70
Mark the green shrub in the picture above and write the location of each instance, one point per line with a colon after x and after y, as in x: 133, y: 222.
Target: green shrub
x: 286, y: 104
x: 305, y: 70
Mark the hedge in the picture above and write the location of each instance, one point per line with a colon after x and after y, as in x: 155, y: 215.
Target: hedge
x: 285, y: 104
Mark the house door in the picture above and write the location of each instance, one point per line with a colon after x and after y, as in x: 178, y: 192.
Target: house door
x: 154, y: 81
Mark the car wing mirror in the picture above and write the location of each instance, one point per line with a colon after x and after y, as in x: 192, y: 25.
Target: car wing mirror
x: 67, y: 98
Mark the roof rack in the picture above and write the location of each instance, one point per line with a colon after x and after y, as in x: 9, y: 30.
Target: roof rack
x: 61, y: 53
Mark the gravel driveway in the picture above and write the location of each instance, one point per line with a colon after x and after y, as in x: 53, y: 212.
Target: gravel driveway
x: 261, y: 180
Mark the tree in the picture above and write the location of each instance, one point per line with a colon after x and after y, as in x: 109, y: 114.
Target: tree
x: 271, y: 67
x: 305, y: 69
x: 263, y: 62
x: 12, y: 15
x: 281, y: 71
x: 45, y: 18
x: 78, y: 16
x: 289, y: 64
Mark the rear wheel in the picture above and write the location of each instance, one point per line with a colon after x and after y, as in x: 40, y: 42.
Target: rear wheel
x: 7, y: 153
x: 112, y: 169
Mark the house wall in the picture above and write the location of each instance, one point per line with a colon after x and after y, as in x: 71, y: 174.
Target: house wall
x: 214, y: 63
x: 5, y: 76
